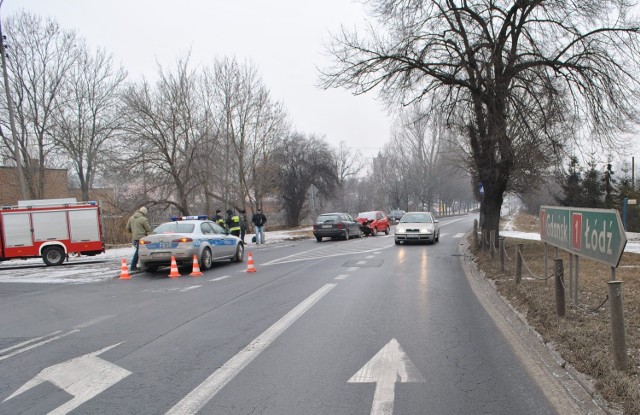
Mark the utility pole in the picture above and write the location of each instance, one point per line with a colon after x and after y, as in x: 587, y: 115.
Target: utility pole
x: 16, y: 150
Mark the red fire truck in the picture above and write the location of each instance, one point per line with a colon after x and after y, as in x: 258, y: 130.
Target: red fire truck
x: 51, y: 229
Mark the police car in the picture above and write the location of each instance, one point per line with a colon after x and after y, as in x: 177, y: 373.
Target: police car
x: 185, y: 237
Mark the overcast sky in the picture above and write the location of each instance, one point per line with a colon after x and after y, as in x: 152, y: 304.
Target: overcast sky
x: 282, y: 38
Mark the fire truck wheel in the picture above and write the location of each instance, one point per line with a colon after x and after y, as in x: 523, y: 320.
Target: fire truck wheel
x: 53, y: 255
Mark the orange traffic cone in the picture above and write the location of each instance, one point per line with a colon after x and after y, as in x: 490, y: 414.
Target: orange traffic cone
x: 124, y: 270
x: 174, y: 268
x: 250, y: 267
x: 196, y: 268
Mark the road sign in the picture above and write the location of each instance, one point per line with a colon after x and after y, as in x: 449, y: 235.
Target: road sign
x: 597, y: 234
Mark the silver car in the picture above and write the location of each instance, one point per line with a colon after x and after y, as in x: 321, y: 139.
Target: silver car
x: 417, y: 227
x: 185, y: 237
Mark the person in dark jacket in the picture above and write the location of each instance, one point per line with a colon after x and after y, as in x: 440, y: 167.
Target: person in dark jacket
x: 259, y: 219
x: 243, y: 224
x: 138, y: 226
x: 217, y: 218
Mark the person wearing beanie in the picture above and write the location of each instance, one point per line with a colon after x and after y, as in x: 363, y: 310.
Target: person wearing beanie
x: 138, y: 226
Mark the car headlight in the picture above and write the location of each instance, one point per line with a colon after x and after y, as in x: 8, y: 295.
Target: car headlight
x: 400, y: 230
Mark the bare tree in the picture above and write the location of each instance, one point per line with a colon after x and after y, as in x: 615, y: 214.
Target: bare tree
x: 506, y: 73
x: 249, y: 124
x: 40, y: 59
x: 88, y: 118
x: 348, y: 164
x: 302, y: 162
x: 417, y: 139
x: 166, y: 128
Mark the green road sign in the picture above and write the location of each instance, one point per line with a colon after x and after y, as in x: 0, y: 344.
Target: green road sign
x: 591, y: 233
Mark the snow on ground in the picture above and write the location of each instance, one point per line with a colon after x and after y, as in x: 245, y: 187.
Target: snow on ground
x: 107, y: 266
x: 83, y: 269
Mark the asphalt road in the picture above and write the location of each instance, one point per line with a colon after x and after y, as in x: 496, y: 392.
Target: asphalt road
x: 345, y: 327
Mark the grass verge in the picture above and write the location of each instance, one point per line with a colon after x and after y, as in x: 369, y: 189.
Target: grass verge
x: 582, y: 337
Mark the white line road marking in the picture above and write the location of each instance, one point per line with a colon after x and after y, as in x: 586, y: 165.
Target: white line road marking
x: 451, y: 221
x: 318, y: 255
x: 203, y: 393
x: 224, y: 277
x: 190, y: 288
x: 458, y: 235
x: 341, y: 277
x: 361, y: 262
x: 351, y: 269
x: 390, y: 365
x: 35, y: 339
x: 83, y: 378
x: 370, y: 256
x: 33, y: 346
x: 443, y: 234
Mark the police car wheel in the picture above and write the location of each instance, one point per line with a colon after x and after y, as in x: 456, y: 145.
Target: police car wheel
x: 239, y: 256
x: 206, y: 259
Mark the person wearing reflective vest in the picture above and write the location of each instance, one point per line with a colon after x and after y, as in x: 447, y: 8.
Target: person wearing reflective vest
x: 233, y: 223
x: 218, y: 219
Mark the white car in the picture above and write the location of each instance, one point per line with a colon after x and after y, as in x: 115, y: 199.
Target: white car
x: 185, y: 237
x: 417, y: 227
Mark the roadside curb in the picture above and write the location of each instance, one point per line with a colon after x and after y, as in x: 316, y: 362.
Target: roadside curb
x: 566, y: 389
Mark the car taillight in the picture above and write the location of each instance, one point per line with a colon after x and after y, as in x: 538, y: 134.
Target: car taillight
x: 340, y: 225
x: 179, y: 240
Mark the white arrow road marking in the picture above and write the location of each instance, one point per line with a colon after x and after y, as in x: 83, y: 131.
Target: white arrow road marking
x: 33, y: 346
x: 83, y: 377
x: 203, y: 393
x: 390, y: 365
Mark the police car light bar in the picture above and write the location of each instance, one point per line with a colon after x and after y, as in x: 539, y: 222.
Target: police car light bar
x: 192, y: 217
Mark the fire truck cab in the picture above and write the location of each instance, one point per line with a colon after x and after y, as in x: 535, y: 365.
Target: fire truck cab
x: 50, y: 229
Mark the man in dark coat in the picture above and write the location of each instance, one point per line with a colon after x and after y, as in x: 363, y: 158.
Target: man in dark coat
x: 259, y: 219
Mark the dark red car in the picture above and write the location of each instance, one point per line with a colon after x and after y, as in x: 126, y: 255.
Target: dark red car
x: 377, y: 221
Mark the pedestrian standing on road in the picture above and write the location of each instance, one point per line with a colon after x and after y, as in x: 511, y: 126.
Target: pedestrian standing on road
x: 138, y: 226
x: 243, y: 224
x: 259, y: 219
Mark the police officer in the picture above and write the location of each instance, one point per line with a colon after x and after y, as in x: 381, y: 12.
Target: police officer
x: 233, y: 223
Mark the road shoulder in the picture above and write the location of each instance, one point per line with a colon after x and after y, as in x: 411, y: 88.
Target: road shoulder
x: 567, y: 390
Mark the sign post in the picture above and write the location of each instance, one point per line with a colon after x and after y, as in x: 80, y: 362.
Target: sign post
x: 597, y: 234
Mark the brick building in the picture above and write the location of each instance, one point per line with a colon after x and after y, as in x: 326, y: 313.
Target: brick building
x: 56, y: 185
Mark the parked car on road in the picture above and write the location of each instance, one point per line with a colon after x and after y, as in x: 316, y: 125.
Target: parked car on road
x: 376, y: 221
x: 417, y: 227
x: 336, y: 225
x: 395, y: 215
x: 185, y: 237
